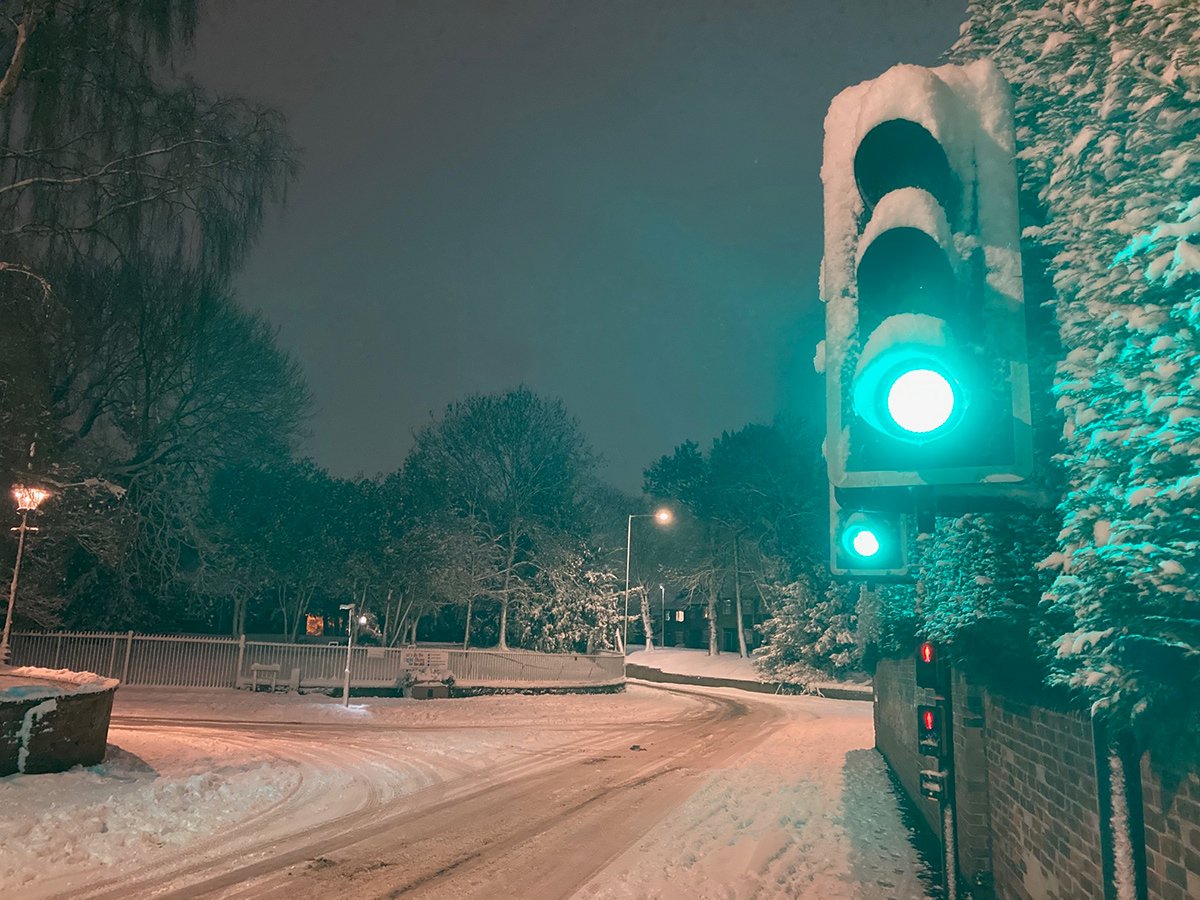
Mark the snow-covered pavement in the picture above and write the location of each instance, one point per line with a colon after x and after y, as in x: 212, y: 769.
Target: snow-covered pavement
x: 808, y: 812
x: 238, y: 794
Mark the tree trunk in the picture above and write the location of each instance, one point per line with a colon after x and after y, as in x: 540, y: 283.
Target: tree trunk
x: 300, y: 607
x: 713, y: 648
x: 512, y: 555
x: 737, y: 596
x: 647, y: 621
x: 238, y: 623
x: 281, y: 599
x: 470, y: 601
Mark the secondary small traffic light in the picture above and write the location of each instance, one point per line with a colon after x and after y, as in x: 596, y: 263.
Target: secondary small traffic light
x: 930, y: 672
x: 925, y: 357
x: 866, y: 543
x: 931, y: 735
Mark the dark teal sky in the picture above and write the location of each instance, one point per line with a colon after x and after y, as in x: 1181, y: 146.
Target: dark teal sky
x: 615, y: 202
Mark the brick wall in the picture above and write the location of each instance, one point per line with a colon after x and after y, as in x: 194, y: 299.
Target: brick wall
x: 1043, y: 809
x: 896, y: 730
x: 1172, y: 818
x: 1027, y: 795
x: 971, y: 783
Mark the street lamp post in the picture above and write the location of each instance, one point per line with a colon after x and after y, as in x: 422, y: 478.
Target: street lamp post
x: 663, y: 517
x: 362, y: 620
x: 662, y: 635
x: 28, y: 500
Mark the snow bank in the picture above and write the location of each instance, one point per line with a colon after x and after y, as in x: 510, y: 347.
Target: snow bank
x: 685, y: 661
x: 24, y: 682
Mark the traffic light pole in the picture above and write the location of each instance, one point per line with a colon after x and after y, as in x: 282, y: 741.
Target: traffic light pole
x: 935, y: 738
x: 946, y: 802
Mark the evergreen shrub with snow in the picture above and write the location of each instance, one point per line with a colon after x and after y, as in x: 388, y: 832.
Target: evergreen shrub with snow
x: 1107, y: 100
x: 811, y: 632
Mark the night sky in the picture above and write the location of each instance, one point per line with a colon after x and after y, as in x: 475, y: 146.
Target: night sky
x: 615, y: 202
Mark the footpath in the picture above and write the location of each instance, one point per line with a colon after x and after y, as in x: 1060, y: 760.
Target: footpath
x: 677, y: 665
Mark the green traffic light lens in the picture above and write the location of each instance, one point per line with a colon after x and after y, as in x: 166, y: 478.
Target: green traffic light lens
x: 921, y: 401
x: 861, y: 540
x: 865, y: 543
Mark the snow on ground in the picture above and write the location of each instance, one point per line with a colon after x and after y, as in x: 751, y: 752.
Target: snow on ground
x: 808, y: 813
x: 168, y: 787
x: 29, y: 682
x: 686, y: 661
x: 161, y: 792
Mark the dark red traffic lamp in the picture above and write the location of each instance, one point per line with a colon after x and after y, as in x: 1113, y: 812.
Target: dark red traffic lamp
x: 930, y: 671
x: 931, y: 731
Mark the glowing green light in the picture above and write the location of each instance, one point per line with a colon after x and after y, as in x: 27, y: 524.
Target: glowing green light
x: 920, y: 401
x: 865, y: 543
x: 861, y: 537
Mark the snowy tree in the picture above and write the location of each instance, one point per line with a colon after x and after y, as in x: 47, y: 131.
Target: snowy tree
x: 127, y: 198
x: 811, y: 632
x: 513, y: 468
x: 750, y: 503
x: 1106, y: 94
x: 575, y: 605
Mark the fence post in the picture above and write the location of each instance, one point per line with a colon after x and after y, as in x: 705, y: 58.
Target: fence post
x: 128, y: 650
x: 237, y: 676
x: 112, y: 658
x: 58, y: 652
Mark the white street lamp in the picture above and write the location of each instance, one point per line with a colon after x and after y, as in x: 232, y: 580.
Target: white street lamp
x: 362, y: 620
x: 662, y: 636
x: 28, y: 500
x: 663, y: 517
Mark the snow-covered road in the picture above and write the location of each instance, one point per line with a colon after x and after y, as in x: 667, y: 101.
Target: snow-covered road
x: 241, y: 795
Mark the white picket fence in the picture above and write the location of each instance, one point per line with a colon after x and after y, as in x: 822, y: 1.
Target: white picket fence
x: 195, y: 661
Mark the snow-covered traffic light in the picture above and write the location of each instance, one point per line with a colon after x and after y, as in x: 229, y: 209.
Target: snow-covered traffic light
x: 925, y: 356
x: 868, y: 543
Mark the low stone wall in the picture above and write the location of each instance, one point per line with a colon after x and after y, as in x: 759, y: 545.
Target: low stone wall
x: 53, y: 733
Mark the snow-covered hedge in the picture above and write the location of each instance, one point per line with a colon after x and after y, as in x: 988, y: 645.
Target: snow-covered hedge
x: 1107, y: 99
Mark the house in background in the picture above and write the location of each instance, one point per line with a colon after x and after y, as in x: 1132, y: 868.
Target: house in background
x: 680, y: 623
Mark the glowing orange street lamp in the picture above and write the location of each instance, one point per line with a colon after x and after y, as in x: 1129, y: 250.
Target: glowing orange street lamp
x: 662, y: 516
x: 28, y: 500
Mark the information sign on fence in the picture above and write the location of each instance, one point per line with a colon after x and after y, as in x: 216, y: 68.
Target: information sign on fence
x: 438, y: 660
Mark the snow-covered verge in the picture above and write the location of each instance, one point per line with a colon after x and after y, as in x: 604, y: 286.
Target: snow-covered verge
x: 687, y: 661
x: 131, y: 807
